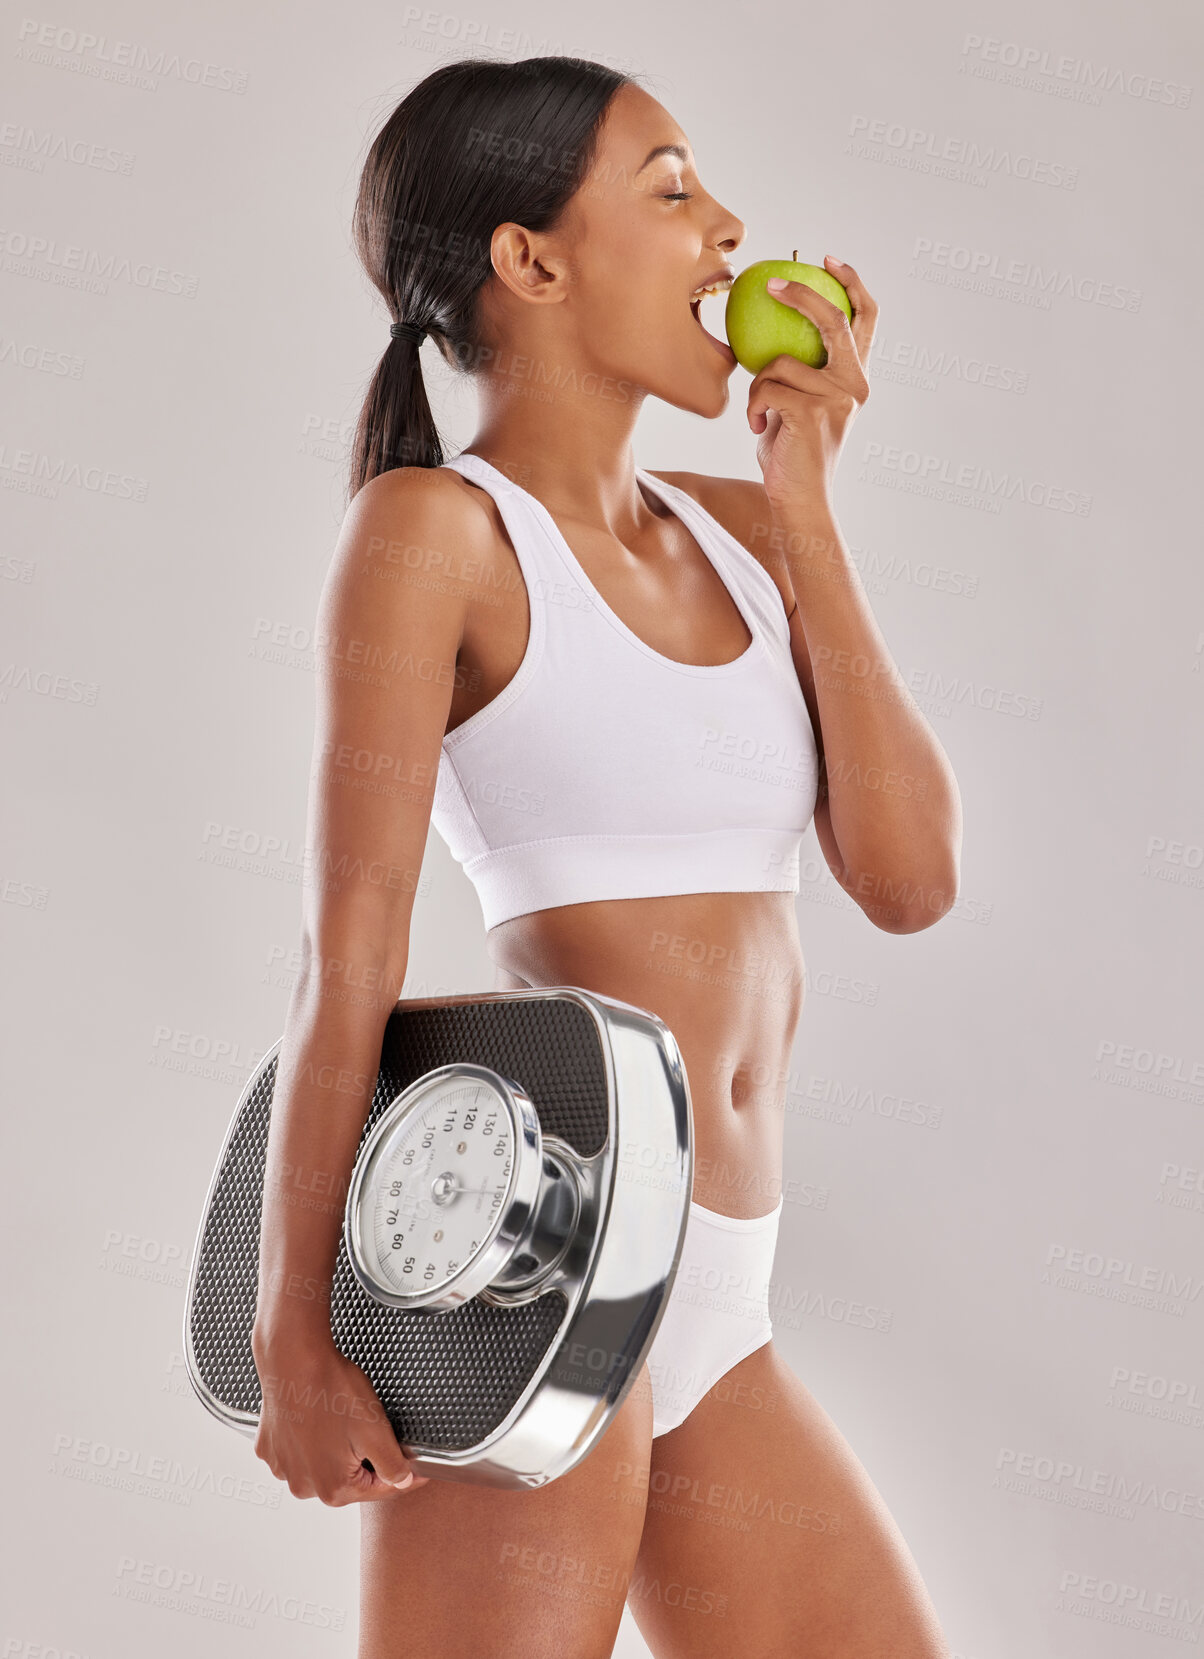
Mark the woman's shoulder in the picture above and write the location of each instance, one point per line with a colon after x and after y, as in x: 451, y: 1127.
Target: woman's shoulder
x: 436, y: 491
x: 433, y: 506
x: 425, y: 528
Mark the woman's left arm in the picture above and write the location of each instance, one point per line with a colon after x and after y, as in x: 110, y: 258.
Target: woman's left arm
x: 888, y: 816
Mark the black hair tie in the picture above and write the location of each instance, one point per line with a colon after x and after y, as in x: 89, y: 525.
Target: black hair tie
x: 408, y: 331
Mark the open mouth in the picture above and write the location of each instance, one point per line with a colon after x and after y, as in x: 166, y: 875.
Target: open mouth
x: 718, y: 290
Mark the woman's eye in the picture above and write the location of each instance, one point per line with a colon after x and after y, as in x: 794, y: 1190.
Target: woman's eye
x: 678, y: 196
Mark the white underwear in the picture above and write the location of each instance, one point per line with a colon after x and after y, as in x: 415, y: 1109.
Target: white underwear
x: 718, y: 1311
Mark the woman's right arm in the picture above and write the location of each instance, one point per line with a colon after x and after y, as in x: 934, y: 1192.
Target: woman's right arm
x: 390, y: 623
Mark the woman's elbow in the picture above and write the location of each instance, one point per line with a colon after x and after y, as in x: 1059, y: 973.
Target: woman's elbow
x: 918, y: 906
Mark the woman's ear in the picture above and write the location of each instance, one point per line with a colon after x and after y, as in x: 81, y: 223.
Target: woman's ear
x: 527, y: 265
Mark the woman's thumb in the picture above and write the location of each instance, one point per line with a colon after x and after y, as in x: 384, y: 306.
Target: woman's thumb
x: 389, y: 1463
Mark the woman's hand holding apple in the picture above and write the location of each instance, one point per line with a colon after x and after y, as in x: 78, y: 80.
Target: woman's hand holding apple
x: 801, y: 413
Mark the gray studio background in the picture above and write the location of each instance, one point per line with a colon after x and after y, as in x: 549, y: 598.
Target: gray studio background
x: 998, y: 1121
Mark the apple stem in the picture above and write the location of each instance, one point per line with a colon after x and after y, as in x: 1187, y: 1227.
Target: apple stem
x: 794, y: 256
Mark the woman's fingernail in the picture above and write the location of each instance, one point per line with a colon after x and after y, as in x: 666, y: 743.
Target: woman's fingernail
x: 834, y: 260
x: 775, y: 283
x: 407, y: 1481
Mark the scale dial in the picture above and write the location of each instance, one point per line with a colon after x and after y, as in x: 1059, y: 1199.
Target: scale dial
x: 453, y: 1193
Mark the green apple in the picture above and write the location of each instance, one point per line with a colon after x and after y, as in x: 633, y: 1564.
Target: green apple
x: 760, y: 326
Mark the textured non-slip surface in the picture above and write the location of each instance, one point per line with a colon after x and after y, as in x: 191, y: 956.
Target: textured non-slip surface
x: 446, y: 1380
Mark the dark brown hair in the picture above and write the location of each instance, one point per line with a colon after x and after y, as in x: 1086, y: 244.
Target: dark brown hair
x: 476, y: 143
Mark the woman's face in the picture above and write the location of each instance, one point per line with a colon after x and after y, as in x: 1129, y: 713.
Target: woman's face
x: 637, y: 240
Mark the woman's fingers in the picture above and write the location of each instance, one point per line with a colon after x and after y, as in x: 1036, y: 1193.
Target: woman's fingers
x: 865, y: 307
x: 827, y: 316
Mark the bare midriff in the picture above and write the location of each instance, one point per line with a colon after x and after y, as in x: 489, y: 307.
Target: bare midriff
x: 724, y: 972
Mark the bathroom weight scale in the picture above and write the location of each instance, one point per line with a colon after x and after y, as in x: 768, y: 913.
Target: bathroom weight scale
x: 511, y: 1232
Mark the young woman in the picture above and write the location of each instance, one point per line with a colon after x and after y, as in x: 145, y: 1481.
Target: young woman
x: 620, y: 696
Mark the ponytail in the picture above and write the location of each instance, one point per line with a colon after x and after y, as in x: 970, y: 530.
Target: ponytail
x: 396, y: 427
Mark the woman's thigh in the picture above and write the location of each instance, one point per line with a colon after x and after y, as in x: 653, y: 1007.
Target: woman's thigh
x: 454, y: 1571
x: 764, y: 1535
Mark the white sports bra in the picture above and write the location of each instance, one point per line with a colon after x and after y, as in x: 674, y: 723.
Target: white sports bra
x: 604, y: 770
